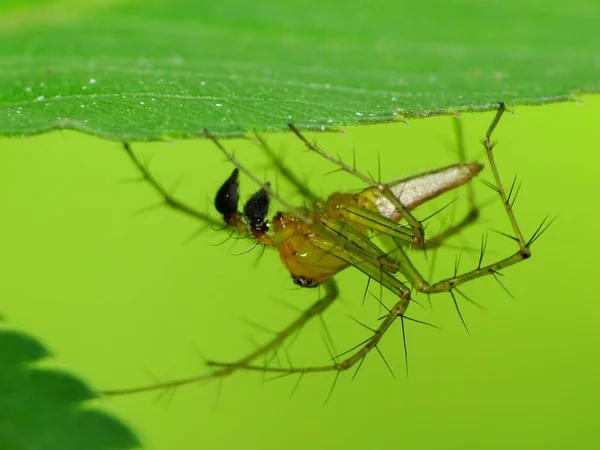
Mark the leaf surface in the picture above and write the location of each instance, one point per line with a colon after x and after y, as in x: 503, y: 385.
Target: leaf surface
x: 161, y: 69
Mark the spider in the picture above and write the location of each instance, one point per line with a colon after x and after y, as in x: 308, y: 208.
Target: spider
x: 318, y: 241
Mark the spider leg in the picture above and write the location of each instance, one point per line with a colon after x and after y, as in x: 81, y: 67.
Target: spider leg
x: 168, y: 199
x: 361, y: 352
x: 524, y: 247
x: 316, y: 309
x: 286, y: 171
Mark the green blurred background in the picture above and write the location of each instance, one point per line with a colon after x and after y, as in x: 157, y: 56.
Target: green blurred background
x: 122, y: 297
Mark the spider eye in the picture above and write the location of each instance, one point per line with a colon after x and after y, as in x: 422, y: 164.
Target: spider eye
x: 226, y: 200
x: 303, y: 281
x: 256, y: 210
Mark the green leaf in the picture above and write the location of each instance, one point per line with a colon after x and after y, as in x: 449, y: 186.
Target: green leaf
x: 152, y: 70
x: 43, y: 408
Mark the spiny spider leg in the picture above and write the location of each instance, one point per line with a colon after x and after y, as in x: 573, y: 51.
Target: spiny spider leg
x: 462, y: 157
x: 169, y: 200
x: 317, y: 308
x: 286, y: 171
x: 473, y: 213
x: 396, y: 311
x: 524, y: 251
